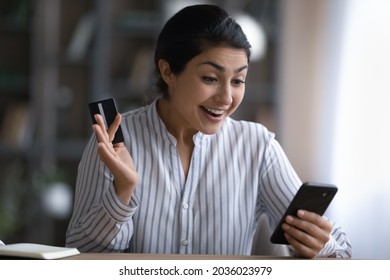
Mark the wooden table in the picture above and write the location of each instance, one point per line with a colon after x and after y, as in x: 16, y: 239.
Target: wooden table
x: 137, y: 256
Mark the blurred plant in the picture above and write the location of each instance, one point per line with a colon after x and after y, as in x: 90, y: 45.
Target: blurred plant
x: 12, y: 194
x: 21, y: 196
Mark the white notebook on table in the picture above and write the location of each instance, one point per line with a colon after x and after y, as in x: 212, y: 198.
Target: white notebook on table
x: 37, y: 251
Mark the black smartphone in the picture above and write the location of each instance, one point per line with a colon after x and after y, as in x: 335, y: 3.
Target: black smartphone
x: 108, y: 110
x: 313, y: 197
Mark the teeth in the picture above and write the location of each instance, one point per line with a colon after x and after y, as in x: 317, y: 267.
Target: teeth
x: 214, y: 111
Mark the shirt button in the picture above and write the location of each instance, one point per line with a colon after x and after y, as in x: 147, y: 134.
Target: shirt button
x: 185, y: 205
x: 184, y: 242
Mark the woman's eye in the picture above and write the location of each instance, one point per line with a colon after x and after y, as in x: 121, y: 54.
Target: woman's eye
x: 238, y: 82
x: 209, y: 79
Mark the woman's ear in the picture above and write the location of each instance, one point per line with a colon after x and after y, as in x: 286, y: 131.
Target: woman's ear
x: 165, y: 71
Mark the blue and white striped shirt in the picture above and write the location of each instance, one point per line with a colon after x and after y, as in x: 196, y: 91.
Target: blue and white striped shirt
x: 235, y: 176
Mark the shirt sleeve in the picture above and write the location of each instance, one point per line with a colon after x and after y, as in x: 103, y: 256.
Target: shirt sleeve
x: 100, y: 221
x: 338, y: 245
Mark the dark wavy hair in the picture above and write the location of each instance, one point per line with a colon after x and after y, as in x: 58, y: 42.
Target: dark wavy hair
x: 192, y: 30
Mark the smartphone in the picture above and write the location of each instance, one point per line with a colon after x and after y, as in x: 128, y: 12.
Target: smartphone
x: 313, y: 197
x: 108, y: 110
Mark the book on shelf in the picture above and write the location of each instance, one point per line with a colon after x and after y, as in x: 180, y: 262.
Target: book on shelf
x: 37, y: 251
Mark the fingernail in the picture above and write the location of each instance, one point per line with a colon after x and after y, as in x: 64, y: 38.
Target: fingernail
x: 301, y: 213
x: 289, y: 219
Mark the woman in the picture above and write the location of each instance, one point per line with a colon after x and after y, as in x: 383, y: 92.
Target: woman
x: 188, y: 178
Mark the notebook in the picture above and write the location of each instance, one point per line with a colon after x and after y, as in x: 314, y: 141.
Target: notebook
x: 37, y: 251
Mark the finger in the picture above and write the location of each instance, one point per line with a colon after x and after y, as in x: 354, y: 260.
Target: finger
x: 313, y: 224
x: 305, y: 234
x: 302, y: 236
x: 301, y: 249
x: 98, y: 133
x: 316, y: 226
x: 102, y: 138
x: 100, y: 121
x: 114, y: 127
x: 304, y: 244
x: 314, y: 218
x: 304, y: 226
x: 101, y: 124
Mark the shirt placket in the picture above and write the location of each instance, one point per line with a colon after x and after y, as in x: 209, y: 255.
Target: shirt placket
x: 187, y: 202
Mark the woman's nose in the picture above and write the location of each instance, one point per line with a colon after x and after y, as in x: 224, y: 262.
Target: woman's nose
x: 224, y: 96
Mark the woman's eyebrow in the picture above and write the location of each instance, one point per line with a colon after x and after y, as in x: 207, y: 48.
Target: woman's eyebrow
x: 221, y: 68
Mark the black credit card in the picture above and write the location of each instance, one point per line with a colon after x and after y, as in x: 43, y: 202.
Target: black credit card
x: 108, y: 110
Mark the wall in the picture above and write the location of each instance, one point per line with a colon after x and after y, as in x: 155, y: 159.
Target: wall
x: 334, y: 110
x: 301, y: 75
x: 362, y: 133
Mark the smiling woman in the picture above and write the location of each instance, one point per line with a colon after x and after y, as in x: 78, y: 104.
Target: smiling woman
x: 209, y: 89
x: 188, y: 178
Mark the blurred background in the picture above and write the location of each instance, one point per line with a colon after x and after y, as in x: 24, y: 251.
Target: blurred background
x: 318, y: 79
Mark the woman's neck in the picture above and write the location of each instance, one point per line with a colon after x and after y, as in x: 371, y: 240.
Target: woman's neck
x: 183, y: 134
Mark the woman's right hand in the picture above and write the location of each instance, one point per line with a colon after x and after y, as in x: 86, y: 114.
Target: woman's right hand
x: 116, y: 157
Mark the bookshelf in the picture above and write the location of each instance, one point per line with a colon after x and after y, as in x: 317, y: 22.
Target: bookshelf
x: 123, y: 60
x: 15, y: 109
x: 58, y: 55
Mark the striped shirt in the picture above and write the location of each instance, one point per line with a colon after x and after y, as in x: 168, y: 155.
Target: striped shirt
x: 235, y: 176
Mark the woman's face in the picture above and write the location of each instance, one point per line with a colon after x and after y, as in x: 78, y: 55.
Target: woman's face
x: 210, y: 89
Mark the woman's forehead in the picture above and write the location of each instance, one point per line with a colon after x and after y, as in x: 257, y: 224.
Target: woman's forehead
x: 222, y: 56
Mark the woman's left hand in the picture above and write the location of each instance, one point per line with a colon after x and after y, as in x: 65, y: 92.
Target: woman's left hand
x: 307, y: 233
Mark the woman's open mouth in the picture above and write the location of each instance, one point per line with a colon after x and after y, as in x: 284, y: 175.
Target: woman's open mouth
x: 215, y: 113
